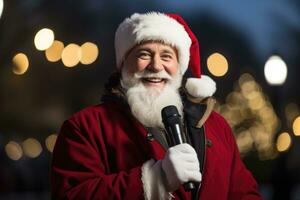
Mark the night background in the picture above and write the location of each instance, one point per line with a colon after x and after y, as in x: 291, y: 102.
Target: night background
x: 244, y: 46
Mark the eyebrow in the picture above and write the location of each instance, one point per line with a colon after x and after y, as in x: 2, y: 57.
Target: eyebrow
x: 148, y: 49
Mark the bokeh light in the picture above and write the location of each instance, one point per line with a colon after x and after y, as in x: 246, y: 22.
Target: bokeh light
x: 252, y: 117
x: 43, y: 39
x: 283, y: 142
x: 53, y: 53
x: 89, y: 53
x: 296, y: 126
x: 71, y: 55
x: 13, y: 150
x: 1, y: 7
x: 217, y: 64
x: 275, y: 71
x: 20, y: 63
x: 291, y: 112
x: 244, y: 141
x: 32, y: 147
x: 50, y: 142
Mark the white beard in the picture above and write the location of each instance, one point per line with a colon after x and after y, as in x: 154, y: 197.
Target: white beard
x: 146, y: 103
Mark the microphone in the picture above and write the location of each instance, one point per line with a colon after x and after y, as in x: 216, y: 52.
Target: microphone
x: 172, y: 122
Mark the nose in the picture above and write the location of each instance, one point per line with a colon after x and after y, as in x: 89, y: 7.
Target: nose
x: 156, y: 64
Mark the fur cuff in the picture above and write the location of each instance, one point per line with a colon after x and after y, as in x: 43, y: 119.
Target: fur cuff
x: 200, y: 87
x: 153, y: 183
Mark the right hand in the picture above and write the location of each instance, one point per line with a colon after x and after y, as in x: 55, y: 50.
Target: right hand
x: 181, y: 165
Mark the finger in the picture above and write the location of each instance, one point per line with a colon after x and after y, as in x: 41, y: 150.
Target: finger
x: 191, y: 167
x: 188, y: 157
x: 193, y: 175
x: 185, y: 148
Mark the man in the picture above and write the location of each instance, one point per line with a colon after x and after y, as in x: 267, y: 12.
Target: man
x: 119, y: 150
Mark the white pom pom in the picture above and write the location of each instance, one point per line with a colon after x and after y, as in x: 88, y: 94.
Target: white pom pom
x: 200, y: 87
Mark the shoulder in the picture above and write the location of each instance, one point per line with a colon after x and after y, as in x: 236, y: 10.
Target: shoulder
x: 93, y: 114
x: 104, y: 112
x: 92, y: 119
x: 85, y: 113
x: 217, y: 119
x: 217, y: 125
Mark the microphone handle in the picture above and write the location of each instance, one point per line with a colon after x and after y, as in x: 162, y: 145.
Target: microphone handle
x: 188, y: 186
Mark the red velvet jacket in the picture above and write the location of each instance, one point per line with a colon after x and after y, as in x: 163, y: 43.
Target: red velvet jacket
x: 100, y: 150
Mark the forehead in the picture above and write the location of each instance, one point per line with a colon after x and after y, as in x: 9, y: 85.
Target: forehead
x: 155, y: 44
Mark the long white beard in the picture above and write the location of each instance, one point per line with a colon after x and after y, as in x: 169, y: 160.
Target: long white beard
x: 146, y: 103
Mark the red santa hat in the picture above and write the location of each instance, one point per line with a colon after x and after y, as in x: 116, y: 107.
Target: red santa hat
x: 170, y: 29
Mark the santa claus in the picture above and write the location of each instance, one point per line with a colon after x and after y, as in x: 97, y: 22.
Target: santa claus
x: 119, y: 149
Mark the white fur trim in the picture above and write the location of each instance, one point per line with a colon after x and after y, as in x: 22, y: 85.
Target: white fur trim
x: 152, y: 26
x: 153, y: 184
x: 200, y: 87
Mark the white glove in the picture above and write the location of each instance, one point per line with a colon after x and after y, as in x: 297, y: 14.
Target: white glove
x: 180, y: 165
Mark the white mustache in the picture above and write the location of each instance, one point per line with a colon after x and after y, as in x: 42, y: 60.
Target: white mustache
x: 148, y: 74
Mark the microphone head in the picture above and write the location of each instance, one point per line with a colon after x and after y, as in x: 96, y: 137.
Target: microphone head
x: 168, y: 113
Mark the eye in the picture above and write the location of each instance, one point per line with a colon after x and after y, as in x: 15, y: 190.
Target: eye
x: 167, y: 56
x: 144, y: 55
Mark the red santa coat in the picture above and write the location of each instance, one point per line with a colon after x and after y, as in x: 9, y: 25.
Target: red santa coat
x: 101, y: 149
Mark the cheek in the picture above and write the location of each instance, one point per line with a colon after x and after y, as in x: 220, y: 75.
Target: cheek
x: 172, y: 68
x: 135, y: 65
x: 140, y: 65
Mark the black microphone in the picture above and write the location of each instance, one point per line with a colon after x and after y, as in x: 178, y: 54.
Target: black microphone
x: 173, y: 126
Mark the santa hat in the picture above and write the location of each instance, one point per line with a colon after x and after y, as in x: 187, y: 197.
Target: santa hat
x: 170, y: 29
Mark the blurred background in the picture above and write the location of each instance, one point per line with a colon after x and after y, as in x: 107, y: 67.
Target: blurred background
x: 55, y: 57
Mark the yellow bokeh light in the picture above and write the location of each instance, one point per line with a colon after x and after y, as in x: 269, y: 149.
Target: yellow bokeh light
x: 217, y: 64
x: 296, y: 126
x: 257, y: 103
x: 250, y: 90
x: 50, y: 142
x: 244, y: 141
x: 89, y: 53
x: 266, y: 114
x: 54, y: 52
x: 43, y: 39
x: 13, y: 150
x: 71, y: 55
x: 291, y: 112
x: 20, y: 64
x: 283, y: 142
x: 234, y: 99
x: 32, y: 148
x: 245, y: 78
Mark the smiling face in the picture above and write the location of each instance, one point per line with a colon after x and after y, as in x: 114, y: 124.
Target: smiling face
x: 151, y: 78
x: 155, y: 59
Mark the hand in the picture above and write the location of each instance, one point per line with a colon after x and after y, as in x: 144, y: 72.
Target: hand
x: 180, y: 165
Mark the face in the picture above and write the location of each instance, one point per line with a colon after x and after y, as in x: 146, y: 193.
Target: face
x: 152, y: 57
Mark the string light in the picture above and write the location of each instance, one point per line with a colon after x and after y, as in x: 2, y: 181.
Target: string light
x: 53, y: 53
x: 275, y: 71
x: 89, y: 53
x: 20, y: 63
x: 71, y: 55
x: 244, y: 141
x: 1, y: 7
x: 217, y: 64
x: 249, y: 113
x: 50, y: 142
x: 32, y: 147
x: 291, y: 112
x: 296, y: 126
x: 13, y: 150
x: 43, y: 39
x: 283, y: 142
